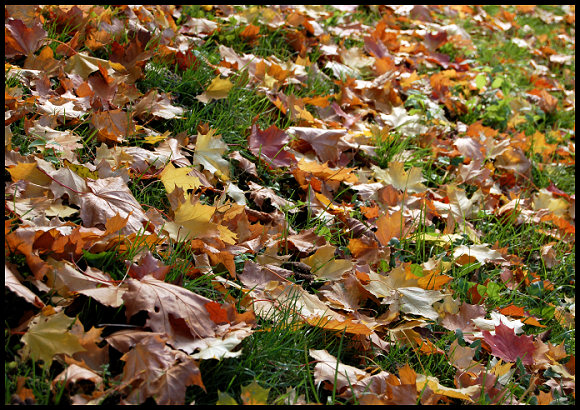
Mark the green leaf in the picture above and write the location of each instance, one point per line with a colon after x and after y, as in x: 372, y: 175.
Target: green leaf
x: 480, y: 81
x: 497, y: 82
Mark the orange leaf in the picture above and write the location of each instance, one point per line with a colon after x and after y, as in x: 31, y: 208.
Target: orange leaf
x: 216, y: 313
x: 332, y: 324
x: 389, y: 226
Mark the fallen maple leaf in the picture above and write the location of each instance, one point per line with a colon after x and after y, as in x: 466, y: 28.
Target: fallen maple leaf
x: 157, y: 105
x: 112, y: 126
x: 152, y: 369
x: 108, y: 197
x: 209, y: 149
x: 178, y: 178
x: 390, y: 226
x: 269, y: 146
x: 48, y: 336
x: 172, y: 310
x: 12, y: 283
x: 324, y: 266
x: 195, y: 219
x: 21, y: 40
x: 328, y: 144
x: 509, y: 347
x: 217, y: 90
x: 482, y: 253
x: 254, y: 394
x: 396, y: 176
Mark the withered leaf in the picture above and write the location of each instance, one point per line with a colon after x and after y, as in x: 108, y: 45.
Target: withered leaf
x: 173, y: 310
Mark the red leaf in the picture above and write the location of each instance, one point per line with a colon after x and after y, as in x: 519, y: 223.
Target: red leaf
x: 216, y: 313
x: 507, y: 346
x: 269, y: 145
x: 21, y: 40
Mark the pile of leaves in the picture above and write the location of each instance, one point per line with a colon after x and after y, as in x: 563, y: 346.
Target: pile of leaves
x: 178, y: 176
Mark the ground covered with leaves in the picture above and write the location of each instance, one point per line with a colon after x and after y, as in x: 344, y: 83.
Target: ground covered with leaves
x: 289, y: 204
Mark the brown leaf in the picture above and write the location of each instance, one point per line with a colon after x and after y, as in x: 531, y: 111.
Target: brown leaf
x: 327, y: 144
x: 173, y: 310
x: 21, y: 40
x: 152, y: 369
x: 260, y: 194
x: 67, y: 280
x: 147, y: 265
x: 157, y: 105
x: 12, y: 283
x: 113, y: 126
x: 107, y: 198
x: 390, y: 226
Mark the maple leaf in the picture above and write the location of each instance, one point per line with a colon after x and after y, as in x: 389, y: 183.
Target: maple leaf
x: 420, y: 301
x: 108, y: 197
x: 82, y: 64
x: 178, y: 178
x: 152, y: 369
x: 509, y: 347
x: 147, y: 265
x: 405, y: 123
x: 209, y: 149
x: 329, y: 369
x: 112, y: 126
x: 158, y: 105
x: 48, y: 336
x: 219, y: 347
x: 396, y: 175
x: 463, y: 393
x: 481, y: 253
x: 217, y: 90
x: 347, y: 326
x: 324, y: 266
x: 172, y: 310
x: 269, y: 145
x: 390, y: 226
x: 67, y: 280
x: 328, y: 144
x: 260, y: 194
x: 12, y: 283
x: 20, y: 39
x: 254, y: 394
x: 74, y: 374
x: 195, y: 219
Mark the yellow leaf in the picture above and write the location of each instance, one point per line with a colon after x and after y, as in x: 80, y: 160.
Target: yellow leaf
x: 226, y: 399
x: 177, y: 177
x: 501, y: 368
x: 253, y: 393
x: 50, y: 336
x: 401, y: 179
x: 324, y: 266
x: 81, y: 170
x: 433, y: 383
x: 153, y: 139
x: 347, y: 326
x: 208, y: 153
x: 324, y: 172
x: 195, y: 218
x: 217, y: 90
x: 29, y: 172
